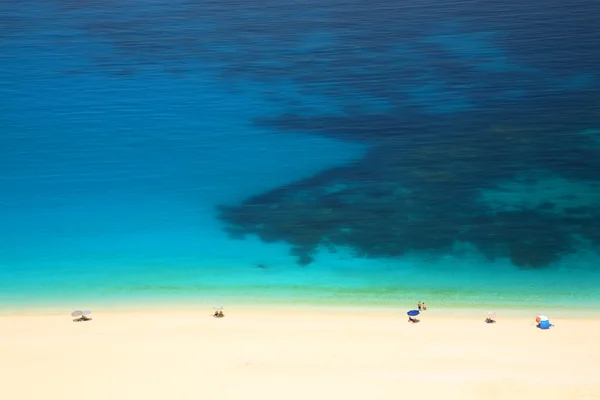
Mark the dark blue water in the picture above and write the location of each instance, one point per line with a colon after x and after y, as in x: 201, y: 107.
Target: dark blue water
x: 343, y: 151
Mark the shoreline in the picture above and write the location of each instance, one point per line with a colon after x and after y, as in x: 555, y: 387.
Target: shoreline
x: 295, y: 305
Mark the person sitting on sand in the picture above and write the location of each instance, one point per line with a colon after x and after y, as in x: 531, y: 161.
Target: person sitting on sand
x: 488, y: 320
x: 413, y: 320
x: 221, y: 314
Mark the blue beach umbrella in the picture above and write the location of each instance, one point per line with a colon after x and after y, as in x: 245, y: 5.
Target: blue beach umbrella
x: 413, y: 313
x: 545, y: 324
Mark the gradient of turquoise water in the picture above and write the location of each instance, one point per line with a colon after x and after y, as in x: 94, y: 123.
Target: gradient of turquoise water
x: 109, y: 185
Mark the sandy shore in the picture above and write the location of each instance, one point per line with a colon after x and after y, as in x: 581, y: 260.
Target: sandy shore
x: 297, y: 354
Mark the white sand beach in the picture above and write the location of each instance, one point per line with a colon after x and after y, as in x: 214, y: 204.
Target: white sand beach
x: 298, y: 353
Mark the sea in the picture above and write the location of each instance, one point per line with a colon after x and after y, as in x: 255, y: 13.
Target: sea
x: 216, y: 152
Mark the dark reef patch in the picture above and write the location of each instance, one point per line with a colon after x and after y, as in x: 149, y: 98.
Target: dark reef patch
x: 419, y: 189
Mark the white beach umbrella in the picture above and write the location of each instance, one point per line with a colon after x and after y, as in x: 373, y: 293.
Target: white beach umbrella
x: 77, y: 313
x: 218, y: 308
x: 490, y: 314
x: 543, y: 318
x: 86, y: 312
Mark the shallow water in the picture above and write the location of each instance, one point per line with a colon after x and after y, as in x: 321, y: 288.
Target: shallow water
x: 124, y: 127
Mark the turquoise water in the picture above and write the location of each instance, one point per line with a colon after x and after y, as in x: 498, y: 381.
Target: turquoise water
x: 115, y: 160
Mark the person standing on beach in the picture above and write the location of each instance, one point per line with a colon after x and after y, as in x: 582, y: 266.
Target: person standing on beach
x: 424, y: 306
x: 419, y: 305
